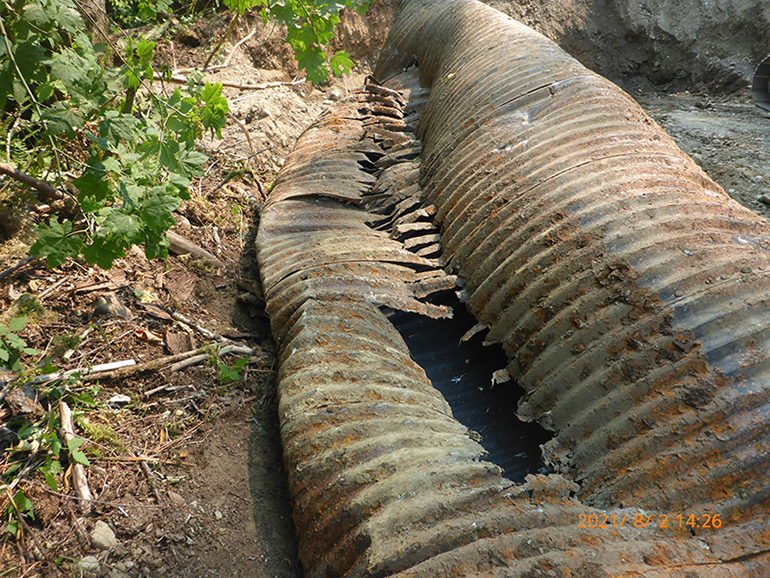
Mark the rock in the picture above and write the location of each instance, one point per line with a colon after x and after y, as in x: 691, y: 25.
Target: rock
x: 110, y: 306
x: 102, y: 536
x: 336, y: 93
x: 89, y: 564
x: 118, y: 399
x: 175, y: 498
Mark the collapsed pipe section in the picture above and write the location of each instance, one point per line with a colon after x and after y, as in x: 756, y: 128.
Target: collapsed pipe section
x: 627, y: 290
x: 760, y: 85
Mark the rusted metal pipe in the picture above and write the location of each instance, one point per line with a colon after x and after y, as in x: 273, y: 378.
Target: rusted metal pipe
x: 628, y: 291
x: 760, y: 84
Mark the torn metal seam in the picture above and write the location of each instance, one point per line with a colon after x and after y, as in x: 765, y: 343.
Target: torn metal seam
x: 530, y: 219
x: 378, y: 493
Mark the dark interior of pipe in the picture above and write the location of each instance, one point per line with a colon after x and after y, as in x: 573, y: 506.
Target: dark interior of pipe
x: 462, y: 372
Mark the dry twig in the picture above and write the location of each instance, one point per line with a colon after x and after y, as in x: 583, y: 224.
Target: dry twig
x: 79, y: 480
x: 42, y: 187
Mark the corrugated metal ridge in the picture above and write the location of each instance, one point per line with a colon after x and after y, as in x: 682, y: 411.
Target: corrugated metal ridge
x: 383, y: 480
x: 572, y: 219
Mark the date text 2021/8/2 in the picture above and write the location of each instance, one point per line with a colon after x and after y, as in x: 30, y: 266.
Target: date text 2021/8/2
x: 662, y: 521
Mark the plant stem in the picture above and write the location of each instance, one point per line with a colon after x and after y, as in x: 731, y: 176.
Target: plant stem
x: 222, y: 41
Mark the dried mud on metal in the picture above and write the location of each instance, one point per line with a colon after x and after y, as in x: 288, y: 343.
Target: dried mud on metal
x: 626, y: 288
x: 631, y: 310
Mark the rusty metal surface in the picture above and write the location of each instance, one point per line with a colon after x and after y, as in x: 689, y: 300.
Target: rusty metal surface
x: 628, y: 291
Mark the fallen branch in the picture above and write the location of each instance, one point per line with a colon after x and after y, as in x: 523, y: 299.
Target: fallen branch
x: 79, y: 480
x: 17, y: 266
x: 241, y: 41
x: 153, y: 365
x: 44, y: 188
x: 182, y: 246
x: 230, y: 29
x: 205, y: 332
x: 240, y: 86
x: 132, y: 459
x: 96, y: 369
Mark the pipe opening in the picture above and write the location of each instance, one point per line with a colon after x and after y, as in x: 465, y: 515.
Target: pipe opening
x: 760, y: 87
x: 462, y: 372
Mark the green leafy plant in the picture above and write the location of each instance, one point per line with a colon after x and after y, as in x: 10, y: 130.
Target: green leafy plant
x: 21, y: 505
x: 12, y: 347
x: 120, y: 153
x: 310, y: 26
x: 231, y: 373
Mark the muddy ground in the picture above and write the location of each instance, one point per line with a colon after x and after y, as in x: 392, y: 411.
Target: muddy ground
x: 187, y: 474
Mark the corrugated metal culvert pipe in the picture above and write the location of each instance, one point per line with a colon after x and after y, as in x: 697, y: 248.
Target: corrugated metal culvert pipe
x: 629, y: 292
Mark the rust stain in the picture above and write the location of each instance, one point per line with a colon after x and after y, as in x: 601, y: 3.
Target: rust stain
x: 564, y: 212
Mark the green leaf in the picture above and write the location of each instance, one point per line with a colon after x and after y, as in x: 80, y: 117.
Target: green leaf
x: 156, y: 244
x: 313, y: 60
x: 117, y: 127
x: 241, y: 6
x: 55, y: 242
x: 17, y: 324
x: 50, y: 479
x: 56, y: 448
x: 340, y: 63
x: 190, y: 163
x: 69, y: 18
x: 103, y: 252
x: 120, y: 227
x: 157, y: 212
x: 300, y: 37
x: 94, y: 188
x: 73, y: 445
x: 215, y: 108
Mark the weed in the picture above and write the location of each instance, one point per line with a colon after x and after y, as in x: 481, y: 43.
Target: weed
x: 231, y: 373
x: 12, y: 347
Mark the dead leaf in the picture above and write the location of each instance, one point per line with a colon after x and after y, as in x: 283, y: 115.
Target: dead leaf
x: 147, y: 335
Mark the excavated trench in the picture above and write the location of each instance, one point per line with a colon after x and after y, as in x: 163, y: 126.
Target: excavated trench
x: 628, y: 292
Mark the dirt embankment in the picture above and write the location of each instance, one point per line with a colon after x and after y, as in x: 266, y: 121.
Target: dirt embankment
x: 694, y: 45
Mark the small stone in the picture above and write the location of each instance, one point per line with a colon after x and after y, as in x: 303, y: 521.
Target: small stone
x: 89, y: 564
x: 110, y: 306
x: 765, y: 198
x: 336, y: 93
x: 175, y: 498
x: 120, y: 566
x: 746, y: 270
x: 218, y: 515
x: 102, y: 536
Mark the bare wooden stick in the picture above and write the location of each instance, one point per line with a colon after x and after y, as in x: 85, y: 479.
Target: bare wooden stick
x: 241, y: 41
x: 152, y: 365
x: 222, y: 41
x: 17, y: 266
x: 44, y: 188
x: 182, y: 246
x: 103, y: 368
x: 240, y: 86
x: 131, y: 459
x: 79, y: 480
x: 52, y: 288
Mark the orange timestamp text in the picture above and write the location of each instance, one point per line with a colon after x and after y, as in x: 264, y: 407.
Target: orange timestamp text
x: 707, y: 521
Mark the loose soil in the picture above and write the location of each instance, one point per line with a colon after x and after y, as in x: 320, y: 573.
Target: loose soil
x: 188, y: 471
